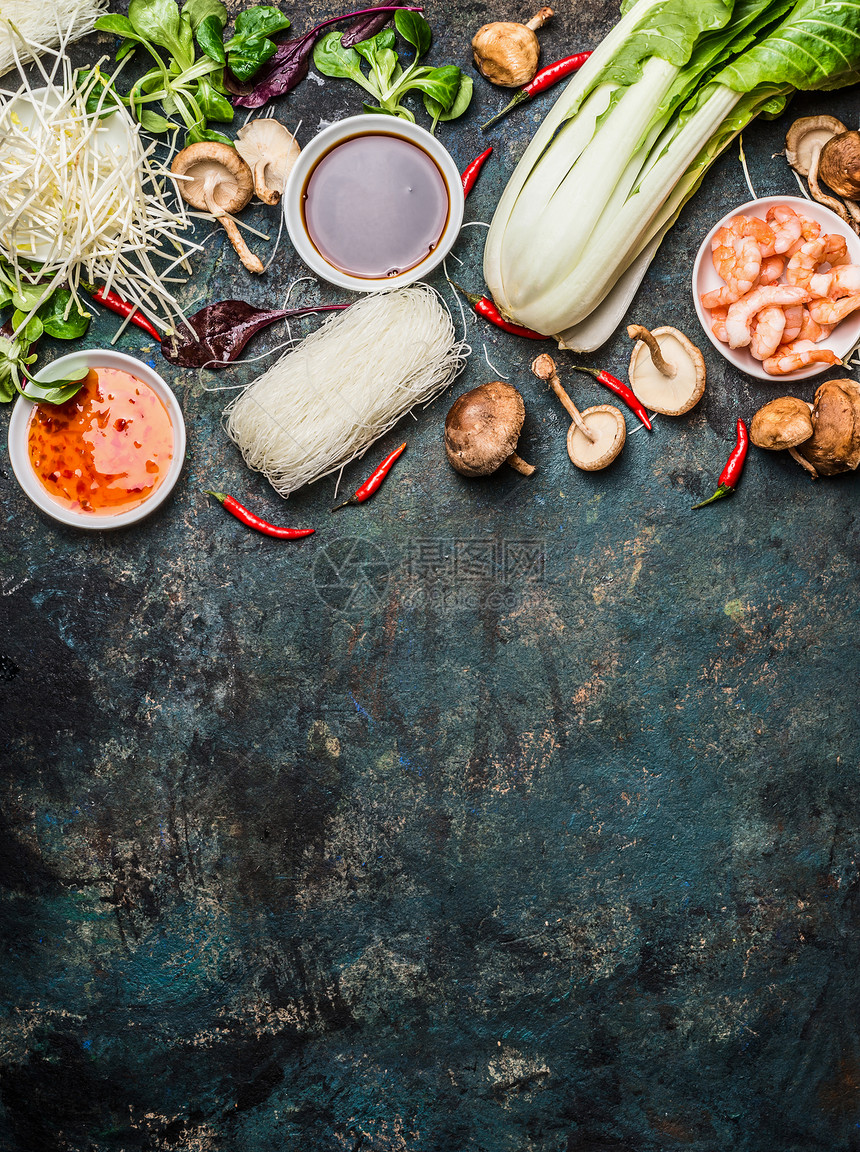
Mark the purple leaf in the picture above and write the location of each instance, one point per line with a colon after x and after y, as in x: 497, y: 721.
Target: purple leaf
x: 366, y: 26
x: 289, y: 65
x: 222, y: 330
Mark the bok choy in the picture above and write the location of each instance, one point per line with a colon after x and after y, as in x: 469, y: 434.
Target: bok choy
x: 630, y: 139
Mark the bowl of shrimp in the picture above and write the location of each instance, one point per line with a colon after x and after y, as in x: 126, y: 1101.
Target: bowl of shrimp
x: 777, y: 288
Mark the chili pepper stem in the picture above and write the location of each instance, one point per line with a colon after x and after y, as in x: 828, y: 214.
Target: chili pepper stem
x: 723, y: 490
x: 520, y: 98
x: 219, y: 496
x: 472, y: 297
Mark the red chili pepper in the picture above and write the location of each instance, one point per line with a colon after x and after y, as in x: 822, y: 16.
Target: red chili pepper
x: 374, y: 480
x: 470, y: 174
x: 486, y: 308
x: 242, y: 513
x: 541, y: 81
x: 731, y: 474
x: 621, y: 391
x: 122, y: 308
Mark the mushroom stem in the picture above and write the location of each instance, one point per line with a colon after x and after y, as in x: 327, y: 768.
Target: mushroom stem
x: 810, y: 468
x: 540, y: 18
x: 520, y: 465
x: 544, y: 368
x: 640, y: 332
x: 830, y: 202
x: 267, y: 195
x: 252, y: 263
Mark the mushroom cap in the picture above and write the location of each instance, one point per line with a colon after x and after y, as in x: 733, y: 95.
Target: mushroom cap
x: 839, y: 165
x: 219, y: 164
x: 270, y: 151
x: 507, y: 54
x: 834, y: 446
x: 807, y: 134
x: 783, y: 423
x: 607, y: 423
x: 670, y: 396
x: 482, y: 428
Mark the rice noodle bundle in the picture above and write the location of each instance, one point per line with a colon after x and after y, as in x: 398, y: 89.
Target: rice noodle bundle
x: 326, y: 401
x: 44, y: 23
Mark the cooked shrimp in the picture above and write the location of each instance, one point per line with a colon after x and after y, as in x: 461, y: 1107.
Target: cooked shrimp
x: 793, y: 322
x: 809, y: 230
x: 740, y: 227
x: 800, y: 354
x: 811, y: 329
x: 741, y: 313
x: 834, y: 311
x: 718, y: 323
x: 786, y: 226
x: 739, y: 267
x: 766, y: 332
x: 842, y: 281
x: 835, y: 249
x: 772, y: 267
x: 804, y: 263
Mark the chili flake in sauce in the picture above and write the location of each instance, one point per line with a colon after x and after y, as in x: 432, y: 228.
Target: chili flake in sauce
x: 107, y: 449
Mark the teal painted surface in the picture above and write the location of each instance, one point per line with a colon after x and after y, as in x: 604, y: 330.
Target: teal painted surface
x: 515, y: 816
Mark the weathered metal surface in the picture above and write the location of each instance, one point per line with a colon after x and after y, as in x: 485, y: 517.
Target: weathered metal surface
x: 515, y: 815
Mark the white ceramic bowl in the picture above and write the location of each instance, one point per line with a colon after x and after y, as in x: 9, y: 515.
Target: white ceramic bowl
x: 19, y: 455
x: 705, y: 279
x: 336, y: 134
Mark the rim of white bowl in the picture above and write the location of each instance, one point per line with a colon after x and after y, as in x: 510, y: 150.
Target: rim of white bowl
x: 19, y: 455
x: 358, y: 126
x: 844, y: 337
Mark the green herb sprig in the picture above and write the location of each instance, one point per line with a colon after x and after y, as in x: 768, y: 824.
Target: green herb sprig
x: 446, y: 91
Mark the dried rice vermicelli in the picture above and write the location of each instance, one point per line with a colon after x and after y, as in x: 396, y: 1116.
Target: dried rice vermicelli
x: 44, y: 22
x: 326, y: 401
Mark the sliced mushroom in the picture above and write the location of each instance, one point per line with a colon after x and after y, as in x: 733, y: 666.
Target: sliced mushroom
x: 805, y: 135
x: 667, y: 371
x: 507, y: 53
x: 270, y: 151
x: 783, y: 423
x: 839, y: 164
x: 596, y: 435
x: 607, y: 433
x: 834, y: 446
x: 214, y: 178
x: 482, y: 430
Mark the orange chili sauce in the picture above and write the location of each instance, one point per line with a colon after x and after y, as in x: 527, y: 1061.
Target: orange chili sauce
x: 107, y: 449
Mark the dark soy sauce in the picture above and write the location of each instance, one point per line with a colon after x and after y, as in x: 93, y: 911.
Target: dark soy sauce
x: 375, y: 205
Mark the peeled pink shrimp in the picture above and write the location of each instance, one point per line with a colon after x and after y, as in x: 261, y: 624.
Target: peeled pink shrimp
x: 772, y: 267
x: 718, y: 323
x: 739, y: 267
x: 786, y: 226
x: 800, y: 354
x: 835, y: 249
x: 766, y: 332
x: 842, y: 281
x: 811, y: 329
x: 793, y: 322
x: 803, y: 264
x: 740, y: 314
x: 740, y: 227
x: 809, y: 230
x: 833, y: 311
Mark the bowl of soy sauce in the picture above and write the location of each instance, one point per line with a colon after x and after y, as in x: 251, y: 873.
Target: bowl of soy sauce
x: 373, y: 202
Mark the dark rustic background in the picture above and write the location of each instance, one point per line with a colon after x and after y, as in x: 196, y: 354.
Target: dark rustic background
x: 511, y: 816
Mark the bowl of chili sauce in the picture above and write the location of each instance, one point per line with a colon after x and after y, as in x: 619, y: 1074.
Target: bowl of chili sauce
x: 111, y: 454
